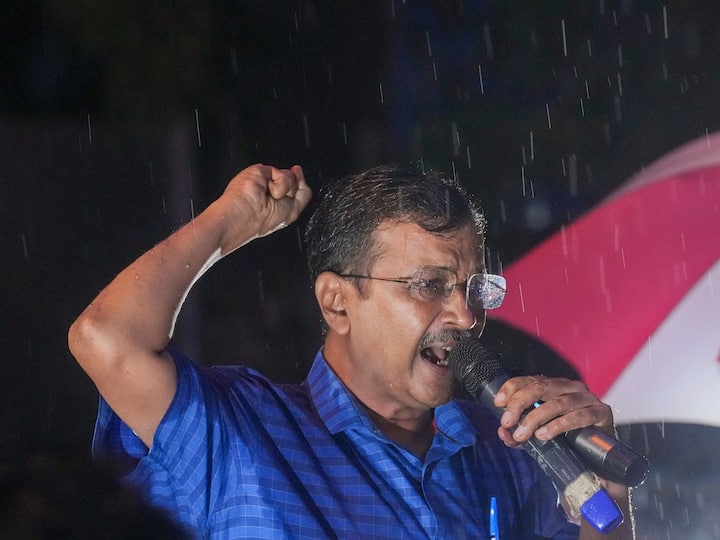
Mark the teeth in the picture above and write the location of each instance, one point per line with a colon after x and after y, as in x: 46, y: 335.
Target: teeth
x: 442, y: 363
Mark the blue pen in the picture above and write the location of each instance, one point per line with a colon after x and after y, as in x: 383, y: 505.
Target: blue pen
x: 494, y: 525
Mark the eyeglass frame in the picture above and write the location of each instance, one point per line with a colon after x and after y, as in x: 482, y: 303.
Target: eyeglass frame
x: 494, y: 280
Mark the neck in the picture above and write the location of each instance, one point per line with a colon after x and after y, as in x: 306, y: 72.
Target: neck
x: 414, y: 435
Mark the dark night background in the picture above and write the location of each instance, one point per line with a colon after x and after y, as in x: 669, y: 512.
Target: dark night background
x: 119, y: 121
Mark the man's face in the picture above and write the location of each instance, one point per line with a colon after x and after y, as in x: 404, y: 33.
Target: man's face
x: 396, y: 339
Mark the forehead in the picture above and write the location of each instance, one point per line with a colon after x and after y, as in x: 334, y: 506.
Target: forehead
x: 405, y: 247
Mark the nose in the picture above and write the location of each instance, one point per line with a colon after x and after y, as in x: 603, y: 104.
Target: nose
x: 457, y: 313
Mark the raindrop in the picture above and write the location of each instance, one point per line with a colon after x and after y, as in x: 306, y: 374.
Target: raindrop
x: 503, y: 212
x: 582, y: 107
x: 603, y: 283
x: 197, y: 126
x: 482, y: 85
x: 467, y: 151
x: 547, y: 111
x: 532, y: 146
x: 648, y: 24
x: 90, y: 138
x: 522, y: 298
x: 345, y: 137
x: 564, y: 38
x: 382, y: 97
x: 455, y: 138
x: 24, y: 244
x: 427, y: 41
x: 665, y: 22
x: 620, y: 55
x: 192, y: 215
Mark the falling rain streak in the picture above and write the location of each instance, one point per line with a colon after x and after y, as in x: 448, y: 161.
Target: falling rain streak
x: 197, y: 127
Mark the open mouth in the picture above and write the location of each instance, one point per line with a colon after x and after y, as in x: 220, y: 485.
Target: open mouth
x: 436, y: 354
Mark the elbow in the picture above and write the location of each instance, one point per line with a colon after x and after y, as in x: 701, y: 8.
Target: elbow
x: 90, y: 343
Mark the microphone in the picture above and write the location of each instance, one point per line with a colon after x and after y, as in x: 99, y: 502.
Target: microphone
x: 481, y: 375
x: 601, y: 452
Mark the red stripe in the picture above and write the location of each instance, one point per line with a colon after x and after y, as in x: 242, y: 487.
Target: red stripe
x: 596, y: 291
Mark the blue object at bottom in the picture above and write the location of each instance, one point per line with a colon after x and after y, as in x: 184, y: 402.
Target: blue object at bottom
x: 602, y: 512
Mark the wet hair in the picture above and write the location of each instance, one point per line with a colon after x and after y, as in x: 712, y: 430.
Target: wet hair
x: 340, y: 233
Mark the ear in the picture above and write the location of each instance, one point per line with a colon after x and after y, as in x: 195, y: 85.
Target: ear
x: 330, y: 292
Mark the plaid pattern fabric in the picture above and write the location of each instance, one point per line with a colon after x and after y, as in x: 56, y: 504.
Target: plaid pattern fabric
x: 238, y: 456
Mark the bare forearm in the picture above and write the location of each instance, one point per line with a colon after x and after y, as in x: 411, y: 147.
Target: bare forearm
x: 138, y: 308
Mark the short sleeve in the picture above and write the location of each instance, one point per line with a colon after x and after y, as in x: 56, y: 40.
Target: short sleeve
x: 187, y: 447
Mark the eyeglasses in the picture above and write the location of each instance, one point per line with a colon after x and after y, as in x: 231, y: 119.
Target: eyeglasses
x: 432, y: 284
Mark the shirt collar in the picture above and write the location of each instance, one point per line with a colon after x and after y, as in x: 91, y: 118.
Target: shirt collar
x: 340, y: 410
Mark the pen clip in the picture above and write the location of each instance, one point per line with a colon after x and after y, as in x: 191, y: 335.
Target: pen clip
x: 494, y: 522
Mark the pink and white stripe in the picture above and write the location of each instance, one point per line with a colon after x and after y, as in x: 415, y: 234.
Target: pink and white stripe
x: 629, y: 294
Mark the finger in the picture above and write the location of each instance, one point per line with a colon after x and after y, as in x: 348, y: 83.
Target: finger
x: 303, y: 193
x: 506, y: 437
x: 519, y: 394
x: 562, y: 414
x: 595, y: 414
x: 283, y: 183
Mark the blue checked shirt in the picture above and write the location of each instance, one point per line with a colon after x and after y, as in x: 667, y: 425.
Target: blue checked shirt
x: 237, y: 456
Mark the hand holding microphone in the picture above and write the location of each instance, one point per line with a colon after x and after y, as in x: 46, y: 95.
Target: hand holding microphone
x: 564, y: 461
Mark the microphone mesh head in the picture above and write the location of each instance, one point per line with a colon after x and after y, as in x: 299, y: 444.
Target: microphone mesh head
x: 473, y: 365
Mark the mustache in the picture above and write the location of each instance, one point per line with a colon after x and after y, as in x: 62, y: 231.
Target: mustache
x: 442, y: 336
